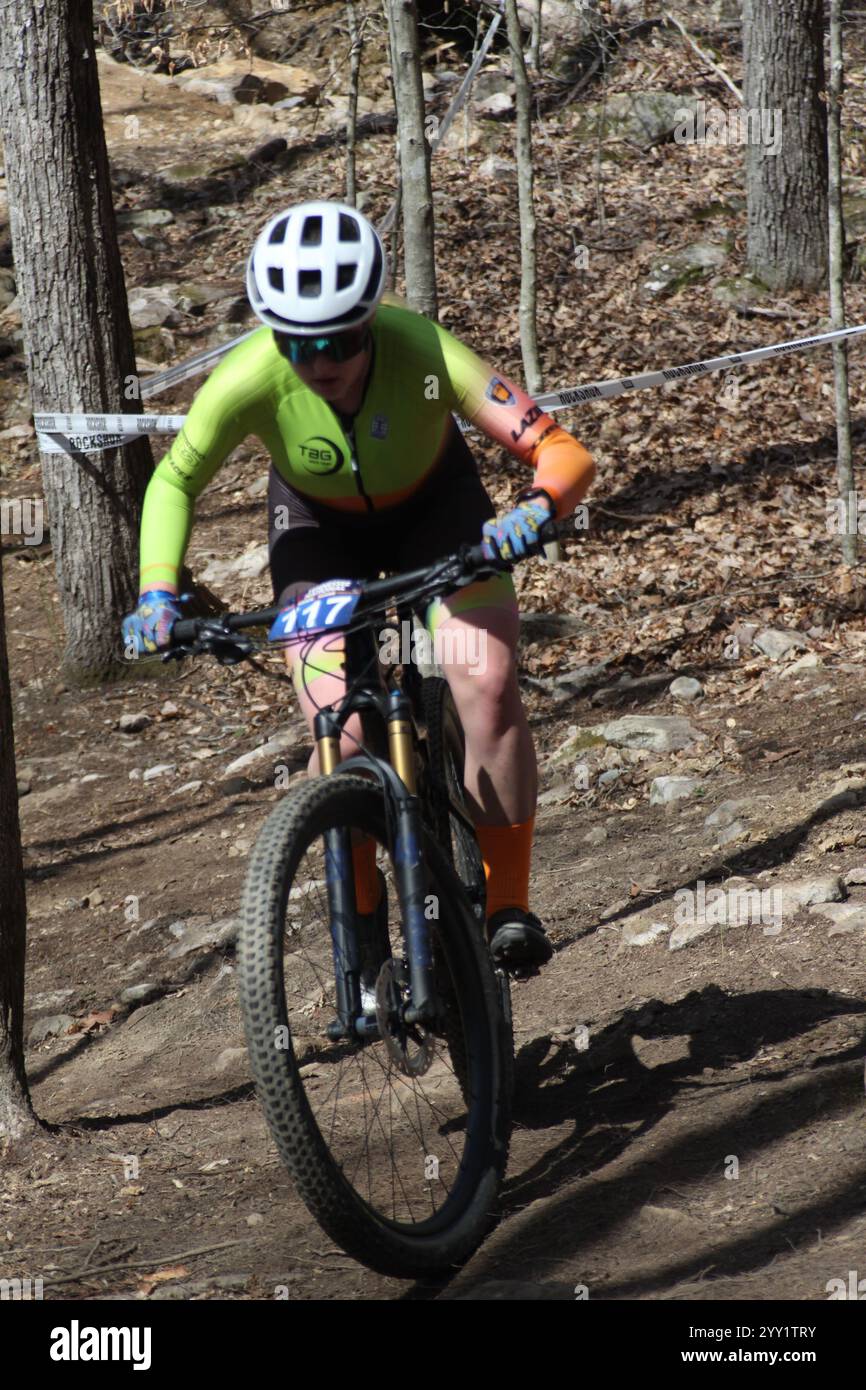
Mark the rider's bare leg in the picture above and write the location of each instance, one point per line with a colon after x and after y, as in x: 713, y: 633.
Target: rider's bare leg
x: 319, y: 681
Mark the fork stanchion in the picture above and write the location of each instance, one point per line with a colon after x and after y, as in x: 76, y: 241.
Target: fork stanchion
x: 401, y: 744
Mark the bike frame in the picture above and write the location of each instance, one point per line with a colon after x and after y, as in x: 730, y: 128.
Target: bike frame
x: 388, y: 708
x: 387, y: 712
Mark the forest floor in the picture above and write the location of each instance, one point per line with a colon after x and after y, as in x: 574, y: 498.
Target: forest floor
x: 690, y: 1105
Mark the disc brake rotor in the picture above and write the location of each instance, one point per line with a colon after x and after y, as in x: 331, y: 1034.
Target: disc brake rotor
x: 410, y: 1047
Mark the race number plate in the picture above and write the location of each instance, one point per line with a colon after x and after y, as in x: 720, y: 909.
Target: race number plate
x: 325, y: 608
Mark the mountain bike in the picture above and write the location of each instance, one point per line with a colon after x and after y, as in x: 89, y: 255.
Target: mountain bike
x: 380, y: 1042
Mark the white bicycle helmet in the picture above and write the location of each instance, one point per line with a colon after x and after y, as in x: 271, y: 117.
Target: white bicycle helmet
x: 316, y: 268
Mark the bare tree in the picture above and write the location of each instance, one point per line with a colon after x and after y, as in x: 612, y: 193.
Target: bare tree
x: 844, y: 470
x: 77, y: 335
x: 535, y: 48
x: 357, y: 44
x: 525, y: 182
x: 528, y: 312
x: 786, y: 152
x: 16, y: 1115
x: 418, y: 230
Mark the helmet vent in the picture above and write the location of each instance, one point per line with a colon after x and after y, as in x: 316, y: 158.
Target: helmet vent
x: 310, y: 284
x: 375, y: 275
x: 312, y: 233
x: 315, y: 269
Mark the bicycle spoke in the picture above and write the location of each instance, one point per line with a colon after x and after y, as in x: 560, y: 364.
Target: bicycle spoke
x: 380, y: 1125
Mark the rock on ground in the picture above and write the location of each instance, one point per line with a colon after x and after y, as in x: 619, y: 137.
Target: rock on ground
x: 685, y: 688
x: 659, y: 733
x: 664, y: 790
x: 775, y: 643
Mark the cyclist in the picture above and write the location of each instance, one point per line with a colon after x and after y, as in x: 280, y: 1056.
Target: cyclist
x: 354, y: 398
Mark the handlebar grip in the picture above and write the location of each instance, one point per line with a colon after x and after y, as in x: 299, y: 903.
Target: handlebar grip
x: 184, y: 630
x: 475, y: 556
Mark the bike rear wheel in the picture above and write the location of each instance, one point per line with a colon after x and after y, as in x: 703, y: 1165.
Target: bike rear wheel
x: 389, y: 1157
x: 446, y: 751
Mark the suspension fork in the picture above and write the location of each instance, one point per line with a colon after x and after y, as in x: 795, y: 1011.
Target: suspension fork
x: 400, y: 789
x: 408, y: 861
x: 339, y: 863
x: 340, y: 880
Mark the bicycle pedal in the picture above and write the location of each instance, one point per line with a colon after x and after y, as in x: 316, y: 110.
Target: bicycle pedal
x: 518, y: 970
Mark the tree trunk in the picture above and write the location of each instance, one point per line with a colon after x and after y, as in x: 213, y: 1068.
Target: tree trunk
x: 528, y: 313
x: 844, y: 470
x: 523, y: 141
x: 535, y: 47
x: 356, y: 41
x: 16, y: 1115
x: 77, y: 335
x: 786, y: 165
x: 418, y: 247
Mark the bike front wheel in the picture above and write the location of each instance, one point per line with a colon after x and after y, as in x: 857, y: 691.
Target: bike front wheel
x: 397, y: 1160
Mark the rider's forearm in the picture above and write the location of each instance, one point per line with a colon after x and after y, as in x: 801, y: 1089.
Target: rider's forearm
x: 165, y: 526
x: 211, y: 431
x: 507, y: 414
x: 563, y: 469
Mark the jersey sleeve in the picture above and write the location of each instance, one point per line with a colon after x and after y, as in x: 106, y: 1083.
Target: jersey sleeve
x: 506, y: 414
x: 212, y: 429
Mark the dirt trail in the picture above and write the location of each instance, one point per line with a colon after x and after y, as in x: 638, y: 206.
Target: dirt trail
x: 742, y: 1045
x: 689, y: 1121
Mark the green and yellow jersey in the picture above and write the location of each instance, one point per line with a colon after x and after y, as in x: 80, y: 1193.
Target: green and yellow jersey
x: 421, y: 375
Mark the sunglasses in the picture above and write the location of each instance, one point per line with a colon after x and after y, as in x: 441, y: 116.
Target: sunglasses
x: 337, y: 347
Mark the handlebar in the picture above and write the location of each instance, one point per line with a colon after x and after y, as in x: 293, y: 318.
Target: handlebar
x: 186, y: 630
x: 191, y: 636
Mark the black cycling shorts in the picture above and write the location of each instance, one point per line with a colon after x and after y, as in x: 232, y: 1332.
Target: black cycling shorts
x: 310, y: 543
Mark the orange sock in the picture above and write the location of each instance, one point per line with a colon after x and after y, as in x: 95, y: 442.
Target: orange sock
x: 507, y: 853
x: 366, y: 878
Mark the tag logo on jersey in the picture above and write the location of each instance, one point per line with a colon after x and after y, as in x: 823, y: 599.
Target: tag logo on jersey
x: 379, y: 427
x: 320, y: 455
x: 497, y: 391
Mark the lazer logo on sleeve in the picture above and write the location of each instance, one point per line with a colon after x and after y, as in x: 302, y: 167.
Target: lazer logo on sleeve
x: 532, y: 414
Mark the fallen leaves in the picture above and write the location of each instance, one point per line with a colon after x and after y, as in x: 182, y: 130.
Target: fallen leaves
x: 161, y: 1276
x: 776, y: 757
x: 99, y: 1019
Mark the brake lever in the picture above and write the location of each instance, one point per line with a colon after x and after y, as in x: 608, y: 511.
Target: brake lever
x: 463, y: 575
x: 229, y: 650
x: 217, y: 641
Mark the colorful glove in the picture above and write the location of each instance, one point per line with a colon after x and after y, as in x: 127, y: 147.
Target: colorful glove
x: 516, y: 534
x: 148, y: 629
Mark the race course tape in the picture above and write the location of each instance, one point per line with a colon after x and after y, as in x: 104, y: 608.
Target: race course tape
x: 603, y: 390
x: 89, y: 434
